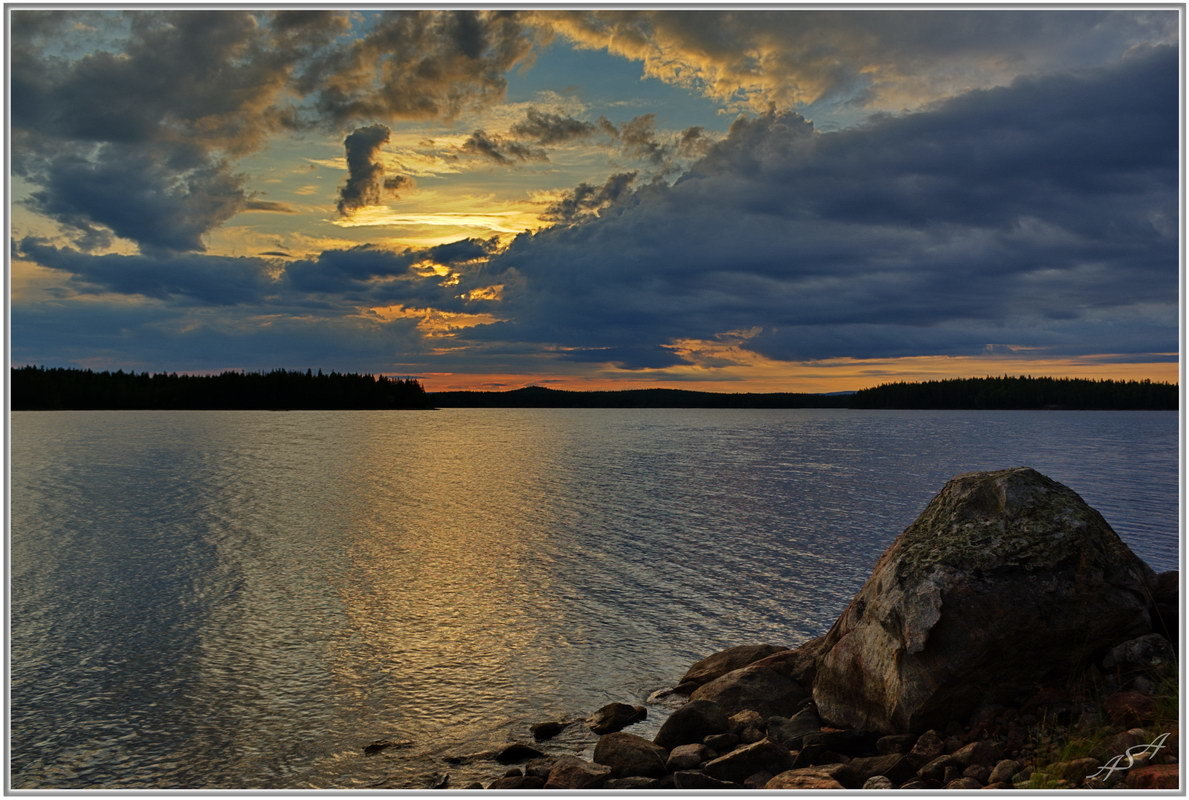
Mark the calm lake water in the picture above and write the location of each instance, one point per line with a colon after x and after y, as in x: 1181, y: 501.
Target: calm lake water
x: 246, y: 599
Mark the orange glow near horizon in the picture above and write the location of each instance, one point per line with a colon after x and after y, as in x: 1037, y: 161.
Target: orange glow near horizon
x: 832, y: 375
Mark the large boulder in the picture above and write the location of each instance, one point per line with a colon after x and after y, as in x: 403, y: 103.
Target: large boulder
x: 1007, y: 578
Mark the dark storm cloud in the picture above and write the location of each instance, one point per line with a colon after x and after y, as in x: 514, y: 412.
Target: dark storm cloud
x: 501, y: 150
x: 587, y: 200
x: 1043, y: 214
x: 207, y: 280
x: 366, y: 183
x: 546, y: 128
x: 162, y: 102
x: 156, y: 337
x: 339, y: 280
x: 461, y: 251
x: 335, y: 270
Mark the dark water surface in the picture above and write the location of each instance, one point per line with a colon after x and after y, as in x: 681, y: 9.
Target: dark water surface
x: 246, y: 599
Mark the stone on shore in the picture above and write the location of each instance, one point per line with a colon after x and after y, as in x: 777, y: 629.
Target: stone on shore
x: 725, y: 661
x: 692, y: 779
x: 571, y: 772
x: 1005, y: 579
x: 692, y: 723
x: 748, y: 760
x: 791, y: 731
x: 688, y: 756
x: 614, y: 717
x: 809, y: 778
x: 521, y: 782
x: 763, y: 686
x: 629, y: 755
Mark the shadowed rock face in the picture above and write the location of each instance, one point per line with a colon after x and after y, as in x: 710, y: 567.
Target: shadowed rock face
x: 1007, y: 577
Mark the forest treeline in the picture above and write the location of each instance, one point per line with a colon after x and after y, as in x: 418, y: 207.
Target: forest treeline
x: 39, y: 388
x: 1022, y: 392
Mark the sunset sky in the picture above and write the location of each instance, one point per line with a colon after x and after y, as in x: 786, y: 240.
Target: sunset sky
x: 760, y: 200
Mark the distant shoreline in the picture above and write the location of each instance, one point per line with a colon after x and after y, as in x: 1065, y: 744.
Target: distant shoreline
x: 41, y: 389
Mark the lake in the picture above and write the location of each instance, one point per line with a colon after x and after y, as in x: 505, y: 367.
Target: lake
x: 247, y: 599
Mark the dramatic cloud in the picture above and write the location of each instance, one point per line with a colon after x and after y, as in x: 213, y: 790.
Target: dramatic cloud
x: 366, y: 184
x: 586, y: 200
x: 208, y: 280
x: 501, y: 150
x: 138, y: 137
x: 882, y: 59
x: 545, y: 128
x: 1037, y: 215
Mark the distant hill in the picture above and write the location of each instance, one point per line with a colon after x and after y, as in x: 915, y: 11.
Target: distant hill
x: 965, y: 393
x: 541, y: 397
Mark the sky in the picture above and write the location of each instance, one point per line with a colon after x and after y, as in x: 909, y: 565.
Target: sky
x: 754, y: 200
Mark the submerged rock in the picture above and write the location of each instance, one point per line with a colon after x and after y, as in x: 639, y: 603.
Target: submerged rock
x: 547, y: 730
x: 614, y: 717
x: 1005, y: 579
x: 517, y: 752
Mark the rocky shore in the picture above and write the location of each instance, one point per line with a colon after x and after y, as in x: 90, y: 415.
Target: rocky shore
x: 1006, y: 639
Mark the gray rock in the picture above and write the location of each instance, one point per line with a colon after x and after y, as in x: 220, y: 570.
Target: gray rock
x: 700, y: 780
x: 878, y: 782
x: 571, y: 772
x: 614, y: 717
x: 1004, y: 577
x: 629, y: 755
x: 630, y: 783
x: 964, y: 783
x: 789, y: 732
x: 1004, y: 771
x: 688, y: 756
x: 1143, y: 653
x: 764, y: 687
x: 692, y: 723
x: 982, y: 753
x: 748, y: 760
x: 725, y: 661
